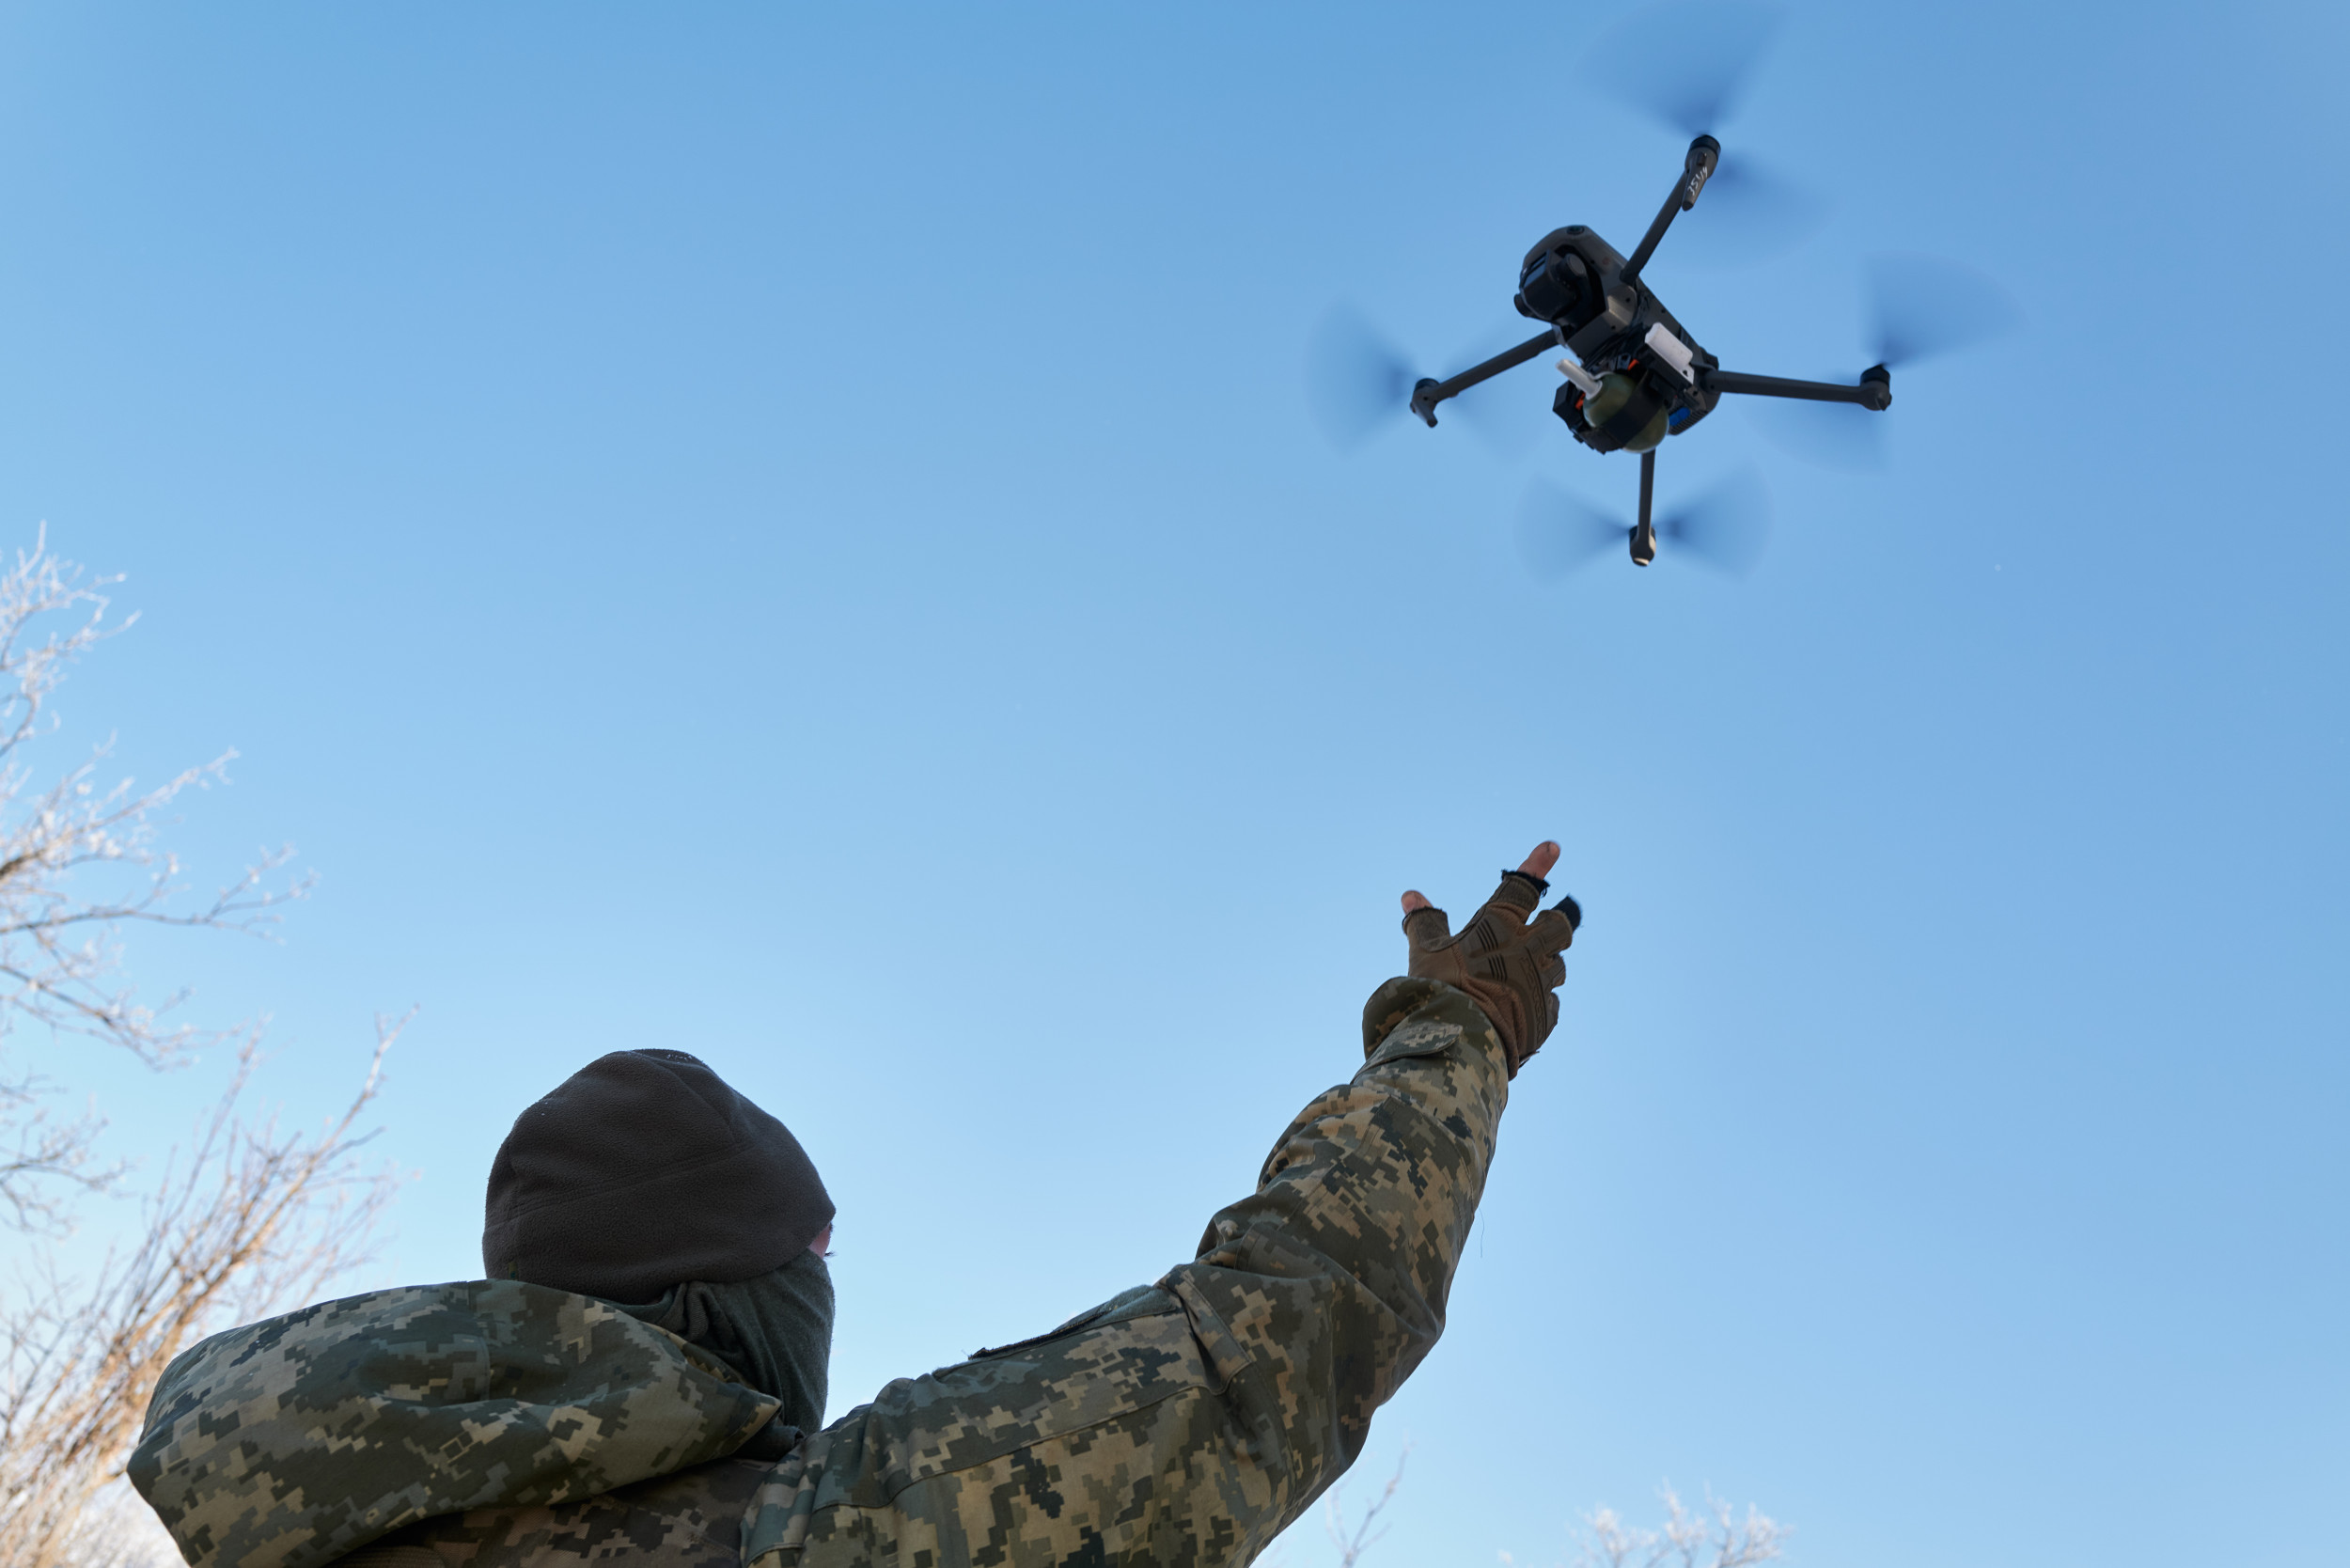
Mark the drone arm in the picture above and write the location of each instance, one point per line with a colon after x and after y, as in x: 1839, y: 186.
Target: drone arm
x: 1875, y: 390
x: 1428, y: 393
x: 1649, y: 241
x: 1704, y: 153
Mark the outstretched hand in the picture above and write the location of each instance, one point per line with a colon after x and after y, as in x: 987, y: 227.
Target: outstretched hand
x: 1509, y: 964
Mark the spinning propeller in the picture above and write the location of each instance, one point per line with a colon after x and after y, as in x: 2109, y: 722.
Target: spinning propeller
x: 1357, y: 382
x: 1724, y: 530
x: 1919, y: 308
x: 1686, y: 65
x: 1356, y: 379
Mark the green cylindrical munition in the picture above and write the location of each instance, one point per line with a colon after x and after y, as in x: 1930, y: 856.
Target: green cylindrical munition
x: 1614, y: 390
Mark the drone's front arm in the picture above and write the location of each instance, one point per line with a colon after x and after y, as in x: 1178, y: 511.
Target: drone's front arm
x: 1705, y: 154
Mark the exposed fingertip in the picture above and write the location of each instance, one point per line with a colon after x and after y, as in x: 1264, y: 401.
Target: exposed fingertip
x: 1414, y: 900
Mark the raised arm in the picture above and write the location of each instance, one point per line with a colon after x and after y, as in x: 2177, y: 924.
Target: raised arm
x: 1190, y: 1421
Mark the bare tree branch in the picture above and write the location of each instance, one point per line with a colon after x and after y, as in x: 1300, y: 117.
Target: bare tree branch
x: 1711, y: 1537
x: 248, y: 1220
x: 1353, y: 1543
x: 250, y: 1217
x: 78, y: 862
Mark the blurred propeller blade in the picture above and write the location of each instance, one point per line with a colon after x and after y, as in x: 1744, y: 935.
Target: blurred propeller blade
x: 1919, y: 307
x: 1832, y: 435
x: 1923, y: 306
x: 1682, y: 61
x: 1356, y: 380
x: 1725, y: 529
x: 1560, y: 532
x: 1746, y: 213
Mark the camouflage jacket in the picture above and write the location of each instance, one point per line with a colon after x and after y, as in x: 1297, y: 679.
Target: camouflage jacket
x: 1185, y: 1423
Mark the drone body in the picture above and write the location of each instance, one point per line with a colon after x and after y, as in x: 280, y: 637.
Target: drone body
x: 1610, y: 328
x: 1635, y: 374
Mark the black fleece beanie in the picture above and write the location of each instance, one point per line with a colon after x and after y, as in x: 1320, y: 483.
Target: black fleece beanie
x: 642, y: 1170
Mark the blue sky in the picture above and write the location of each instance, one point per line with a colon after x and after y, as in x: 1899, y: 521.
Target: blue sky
x: 798, y: 536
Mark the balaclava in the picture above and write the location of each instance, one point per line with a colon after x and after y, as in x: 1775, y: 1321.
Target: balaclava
x: 647, y: 1181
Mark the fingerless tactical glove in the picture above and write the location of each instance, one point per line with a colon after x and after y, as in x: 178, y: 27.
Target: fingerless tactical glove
x: 1508, y: 965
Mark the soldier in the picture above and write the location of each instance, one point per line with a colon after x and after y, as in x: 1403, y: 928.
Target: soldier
x: 632, y: 1385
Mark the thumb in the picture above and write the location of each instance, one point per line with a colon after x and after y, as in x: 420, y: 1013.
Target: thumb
x: 1425, y: 925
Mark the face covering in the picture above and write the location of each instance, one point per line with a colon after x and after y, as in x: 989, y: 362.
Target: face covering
x: 774, y: 1329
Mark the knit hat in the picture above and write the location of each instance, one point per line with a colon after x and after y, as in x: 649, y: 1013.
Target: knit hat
x: 642, y: 1170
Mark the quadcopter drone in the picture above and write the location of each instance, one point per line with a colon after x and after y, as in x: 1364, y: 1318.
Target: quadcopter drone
x: 1634, y: 374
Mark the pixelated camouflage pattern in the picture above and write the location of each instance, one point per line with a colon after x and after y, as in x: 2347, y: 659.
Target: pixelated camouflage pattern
x: 693, y: 1519
x: 287, y: 1443
x: 1183, y: 1423
x: 1188, y: 1423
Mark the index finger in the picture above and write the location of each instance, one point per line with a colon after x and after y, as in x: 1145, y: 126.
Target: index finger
x: 1520, y: 891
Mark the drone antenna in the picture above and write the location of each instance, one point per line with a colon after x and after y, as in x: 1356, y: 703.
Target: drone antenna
x: 1705, y: 155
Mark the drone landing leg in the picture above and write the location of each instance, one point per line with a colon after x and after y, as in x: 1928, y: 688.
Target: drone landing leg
x: 1644, y: 532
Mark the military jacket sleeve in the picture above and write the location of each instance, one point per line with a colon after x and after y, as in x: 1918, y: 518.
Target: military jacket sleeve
x: 1187, y: 1422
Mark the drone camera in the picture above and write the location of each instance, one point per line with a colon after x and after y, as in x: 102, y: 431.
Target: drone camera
x: 1556, y: 286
